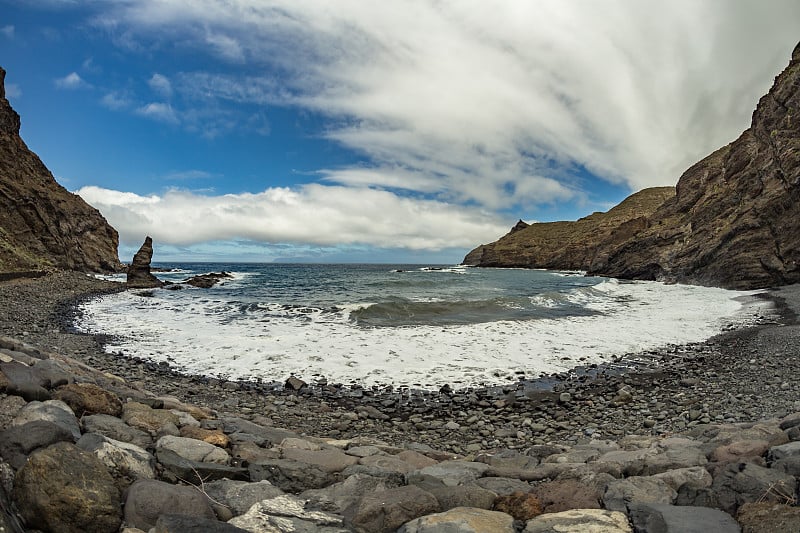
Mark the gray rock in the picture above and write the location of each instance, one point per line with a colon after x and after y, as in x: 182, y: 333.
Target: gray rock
x: 330, y: 460
x: 564, y: 495
x: 54, y: 372
x: 240, y: 496
x: 291, y: 476
x: 453, y: 473
x: 287, y: 514
x: 54, y: 411
x: 672, y: 459
x: 776, y: 453
x: 19, y: 374
x: 17, y: 442
x: 196, y: 472
x: 389, y: 463
x: 620, y: 492
x: 193, y: 449
x: 125, y: 461
x: 181, y: 523
x: 364, y: 451
x: 580, y: 521
x: 461, y: 520
x: 696, y: 476
x: 146, y: 500
x: 503, y: 486
x: 789, y: 465
x: 114, y: 428
x: 269, y: 436
x: 385, y: 511
x: 660, y: 518
x: 394, y: 479
x: 339, y: 496
x: 9, y: 407
x: 737, y: 484
x: 469, y: 495
x: 63, y: 488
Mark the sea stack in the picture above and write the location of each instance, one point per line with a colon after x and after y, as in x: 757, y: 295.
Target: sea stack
x: 139, y: 275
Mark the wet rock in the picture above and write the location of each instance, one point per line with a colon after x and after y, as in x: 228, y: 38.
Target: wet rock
x: 89, y: 399
x: 620, y: 492
x: 461, y: 520
x: 673, y: 519
x: 114, y: 428
x: 17, y: 442
x: 240, y: 496
x: 766, y: 517
x: 385, y: 511
x: 146, y: 500
x: 287, y: 513
x: 53, y: 411
x: 521, y: 505
x: 580, y: 521
x: 138, y: 274
x: 63, y: 488
x: 206, y: 281
x: 291, y: 476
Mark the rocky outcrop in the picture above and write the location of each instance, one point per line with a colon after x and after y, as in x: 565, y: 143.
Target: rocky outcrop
x: 139, y: 275
x: 735, y: 220
x: 42, y: 225
x: 570, y: 245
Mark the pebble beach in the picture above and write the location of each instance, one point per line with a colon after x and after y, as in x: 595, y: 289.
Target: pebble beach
x: 741, y: 384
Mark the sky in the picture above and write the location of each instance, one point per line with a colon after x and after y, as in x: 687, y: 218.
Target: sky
x: 361, y: 131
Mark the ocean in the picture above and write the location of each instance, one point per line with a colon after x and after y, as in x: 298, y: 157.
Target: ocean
x: 403, y: 325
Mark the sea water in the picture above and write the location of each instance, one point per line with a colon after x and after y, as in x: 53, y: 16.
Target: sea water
x: 403, y: 324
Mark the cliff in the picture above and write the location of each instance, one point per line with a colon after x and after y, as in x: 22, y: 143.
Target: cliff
x: 570, y: 245
x: 42, y: 225
x: 733, y: 222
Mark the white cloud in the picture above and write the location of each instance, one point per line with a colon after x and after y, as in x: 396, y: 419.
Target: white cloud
x: 7, y: 31
x: 495, y: 103
x: 13, y: 91
x: 159, y: 111
x: 161, y: 85
x: 116, y: 100
x: 72, y: 81
x: 312, y: 214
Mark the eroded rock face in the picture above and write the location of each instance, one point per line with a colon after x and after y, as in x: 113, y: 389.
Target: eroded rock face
x: 42, y: 225
x: 139, y: 275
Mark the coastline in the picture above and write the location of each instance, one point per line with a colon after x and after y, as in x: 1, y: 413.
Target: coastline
x: 689, y: 385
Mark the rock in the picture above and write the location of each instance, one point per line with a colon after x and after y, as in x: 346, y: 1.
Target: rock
x: 789, y: 465
x: 194, y: 450
x: 673, y: 519
x: 251, y: 453
x: 9, y: 407
x: 766, y: 517
x: 44, y: 225
x: 287, y: 513
x: 390, y: 463
x: 89, y: 399
x: 564, y: 495
x: 206, y: 281
x: 63, y: 488
x: 776, y: 453
x: 469, y: 495
x: 672, y: 459
x: 138, y: 274
x: 240, y: 496
x: 695, y: 476
x: 268, y: 436
x: 181, y: 523
x: 385, y: 511
x: 124, y: 461
x: 366, y: 451
x: 521, y: 505
x: 503, y: 486
x: 211, y: 436
x: 330, y: 460
x: 116, y: 429
x: 17, y: 442
x: 198, y: 472
x: 620, y: 492
x: 293, y: 383
x: 416, y: 459
x: 20, y: 374
x: 580, y: 521
x: 53, y: 411
x: 739, y: 451
x: 339, y: 496
x: 146, y: 418
x: 461, y: 520
x: 291, y: 476
x: 453, y: 473
x: 737, y: 484
x: 146, y: 500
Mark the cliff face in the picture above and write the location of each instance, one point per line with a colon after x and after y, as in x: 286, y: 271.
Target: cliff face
x: 42, y: 225
x: 734, y: 221
x: 570, y: 245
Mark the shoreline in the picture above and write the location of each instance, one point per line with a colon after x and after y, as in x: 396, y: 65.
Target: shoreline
x: 710, y: 381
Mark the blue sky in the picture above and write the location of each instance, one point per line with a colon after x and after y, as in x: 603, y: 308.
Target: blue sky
x: 261, y: 130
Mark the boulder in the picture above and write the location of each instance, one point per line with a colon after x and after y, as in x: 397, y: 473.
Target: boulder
x: 9, y: 407
x: 521, y: 505
x: 287, y: 513
x: 181, y: 523
x: 503, y: 486
x: 206, y: 281
x: 148, y: 499
x: 620, y: 492
x: 453, y: 472
x: 146, y: 418
x: 114, y: 428
x: 138, y: 274
x: 739, y: 451
x: 126, y: 462
x: 580, y: 521
x: 89, y: 399
x: 674, y: 519
x: 385, y: 511
x: 695, y: 476
x: 564, y: 495
x: 63, y: 488
x: 17, y: 442
x: 461, y: 520
x: 328, y: 460
x: 240, y: 496
x: 53, y: 411
x: 211, y: 436
x: 469, y: 495
x: 763, y: 517
x: 194, y: 450
x: 291, y: 476
x: 737, y: 484
x: 390, y: 463
x: 267, y: 436
x: 340, y: 496
x: 197, y: 472
x: 791, y: 449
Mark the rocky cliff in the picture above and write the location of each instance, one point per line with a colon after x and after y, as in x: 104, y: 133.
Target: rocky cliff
x: 570, y: 245
x: 42, y: 225
x: 734, y: 221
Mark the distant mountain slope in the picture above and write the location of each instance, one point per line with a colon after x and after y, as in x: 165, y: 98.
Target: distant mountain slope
x: 42, y: 225
x: 734, y: 221
x: 570, y: 245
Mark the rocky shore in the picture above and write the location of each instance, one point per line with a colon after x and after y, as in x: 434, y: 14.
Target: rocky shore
x: 712, y: 427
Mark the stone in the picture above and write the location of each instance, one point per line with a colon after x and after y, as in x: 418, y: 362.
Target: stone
x: 197, y: 472
x: 181, y: 523
x: 388, y: 462
x: 673, y: 519
x: 469, y: 495
x: 789, y: 465
x: 124, y: 461
x: 206, y: 281
x: 461, y: 520
x: 114, y: 428
x: 63, y: 488
x: 53, y: 411
x: 385, y: 511
x: 737, y: 484
x: 791, y: 449
x: 148, y: 499
x: 453, y: 473
x: 564, y: 495
x: 268, y: 436
x: 287, y: 513
x: 695, y: 476
x: 339, y: 496
x: 766, y: 517
x: 672, y: 459
x: 580, y: 521
x: 194, y: 450
x: 9, y: 407
x: 329, y: 460
x: 620, y: 492
x: 300, y: 444
x: 416, y: 459
x: 240, y: 496
x: 138, y: 273
x: 89, y: 399
x: 739, y: 451
x: 294, y: 383
x: 291, y: 476
x: 146, y: 418
x: 19, y: 374
x: 17, y: 442
x: 521, y: 505
x: 503, y: 486
x: 250, y: 452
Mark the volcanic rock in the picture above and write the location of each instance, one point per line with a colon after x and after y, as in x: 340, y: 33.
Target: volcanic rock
x: 206, y: 281
x: 139, y: 275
